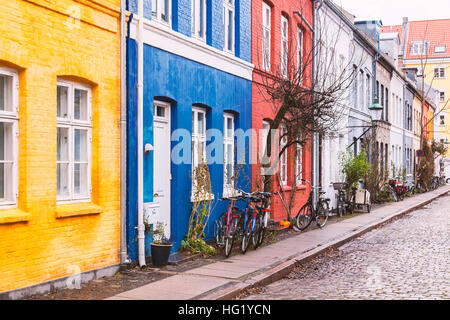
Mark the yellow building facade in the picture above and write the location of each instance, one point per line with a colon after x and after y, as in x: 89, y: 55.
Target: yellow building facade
x: 441, y: 83
x: 60, y: 135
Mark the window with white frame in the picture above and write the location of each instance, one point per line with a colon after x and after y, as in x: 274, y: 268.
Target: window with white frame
x: 161, y: 10
x: 442, y: 120
x: 439, y: 72
x: 198, y: 137
x: 368, y: 92
x: 199, y: 19
x: 439, y: 49
x: 228, y: 151
x: 361, y: 89
x: 283, y: 158
x: 298, y: 163
x: 355, y: 86
x: 300, y: 52
x: 442, y: 96
x: 9, y: 116
x: 419, y: 48
x: 228, y: 25
x: 74, y: 136
x: 284, y: 45
x: 266, y: 36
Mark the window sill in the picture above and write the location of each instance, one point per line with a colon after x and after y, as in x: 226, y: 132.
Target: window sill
x: 13, y: 216
x: 76, y: 209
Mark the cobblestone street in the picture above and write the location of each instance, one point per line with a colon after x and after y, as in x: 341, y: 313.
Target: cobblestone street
x: 406, y: 259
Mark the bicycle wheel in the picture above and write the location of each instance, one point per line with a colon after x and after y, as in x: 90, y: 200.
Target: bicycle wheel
x: 246, y: 235
x: 256, y: 232
x: 229, y: 239
x: 340, y: 207
x: 264, y: 220
x: 322, y: 214
x: 304, y: 217
x: 220, y: 230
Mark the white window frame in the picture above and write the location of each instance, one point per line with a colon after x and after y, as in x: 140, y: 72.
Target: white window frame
x: 441, y: 117
x: 362, y: 95
x: 440, y: 49
x: 11, y: 118
x: 300, y: 53
x: 228, y: 140
x: 442, y: 95
x: 72, y: 124
x: 284, y: 46
x: 299, y: 164
x: 420, y: 48
x: 440, y: 72
x: 197, y: 140
x: 283, y: 157
x: 228, y: 5
x: 266, y: 35
x: 157, y: 14
x: 198, y: 19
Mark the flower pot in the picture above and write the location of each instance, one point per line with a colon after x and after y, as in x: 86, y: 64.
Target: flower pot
x: 160, y: 254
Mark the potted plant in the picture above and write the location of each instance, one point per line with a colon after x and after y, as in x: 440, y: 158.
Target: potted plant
x: 160, y: 247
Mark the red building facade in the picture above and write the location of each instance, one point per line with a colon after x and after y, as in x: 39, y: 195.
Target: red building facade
x: 281, y: 39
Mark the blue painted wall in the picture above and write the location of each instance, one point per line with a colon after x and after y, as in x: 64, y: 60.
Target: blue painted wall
x: 181, y: 22
x: 185, y: 83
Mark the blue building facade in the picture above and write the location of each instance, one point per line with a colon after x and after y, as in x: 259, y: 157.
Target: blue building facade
x: 193, y: 78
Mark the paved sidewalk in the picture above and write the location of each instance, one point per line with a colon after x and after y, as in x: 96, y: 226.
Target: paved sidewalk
x: 227, y: 278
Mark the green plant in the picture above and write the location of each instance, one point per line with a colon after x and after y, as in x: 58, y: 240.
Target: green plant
x: 159, y: 234
x: 202, y: 200
x: 354, y: 167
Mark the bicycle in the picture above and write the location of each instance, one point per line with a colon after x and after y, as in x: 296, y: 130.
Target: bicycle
x: 264, y: 213
x: 250, y: 224
x: 226, y: 226
x: 318, y: 211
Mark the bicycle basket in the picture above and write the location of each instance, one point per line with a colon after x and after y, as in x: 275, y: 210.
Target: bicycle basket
x: 338, y: 185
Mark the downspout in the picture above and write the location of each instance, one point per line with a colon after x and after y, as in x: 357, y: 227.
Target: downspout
x: 315, y: 137
x: 123, y: 138
x: 140, y: 132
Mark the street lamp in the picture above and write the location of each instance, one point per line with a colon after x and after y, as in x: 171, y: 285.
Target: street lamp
x: 376, y: 111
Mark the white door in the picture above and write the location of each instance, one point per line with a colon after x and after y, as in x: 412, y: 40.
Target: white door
x: 161, y: 162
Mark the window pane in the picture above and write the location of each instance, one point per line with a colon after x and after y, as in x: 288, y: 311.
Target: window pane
x: 200, y: 122
x: 229, y: 163
x: 80, y: 145
x: 6, y: 93
x: 62, y: 101
x: 229, y: 128
x: 80, y: 178
x: 80, y: 104
x: 165, y: 10
x: 62, y: 174
x: 230, y: 30
x: 154, y: 7
x: 62, y: 144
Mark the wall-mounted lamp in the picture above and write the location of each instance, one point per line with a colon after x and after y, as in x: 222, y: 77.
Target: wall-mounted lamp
x: 148, y: 147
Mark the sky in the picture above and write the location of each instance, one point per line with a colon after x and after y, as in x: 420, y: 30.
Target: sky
x: 391, y: 12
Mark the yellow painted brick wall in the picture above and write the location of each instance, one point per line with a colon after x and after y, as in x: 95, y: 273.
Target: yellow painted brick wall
x: 42, y: 42
x: 444, y: 107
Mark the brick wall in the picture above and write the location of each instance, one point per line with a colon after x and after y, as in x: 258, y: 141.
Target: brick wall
x: 262, y: 109
x: 42, y: 43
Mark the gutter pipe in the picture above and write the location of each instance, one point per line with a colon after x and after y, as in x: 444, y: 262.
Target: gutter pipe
x: 140, y: 132
x: 123, y: 139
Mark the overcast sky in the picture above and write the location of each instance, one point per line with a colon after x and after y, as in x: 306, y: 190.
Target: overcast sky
x: 391, y: 12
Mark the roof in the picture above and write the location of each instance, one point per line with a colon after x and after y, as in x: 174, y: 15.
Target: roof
x: 436, y: 32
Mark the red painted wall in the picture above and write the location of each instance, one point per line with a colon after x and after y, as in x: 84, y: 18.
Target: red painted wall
x: 263, y: 109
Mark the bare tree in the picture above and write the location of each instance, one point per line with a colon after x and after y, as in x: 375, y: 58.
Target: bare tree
x: 308, y: 92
